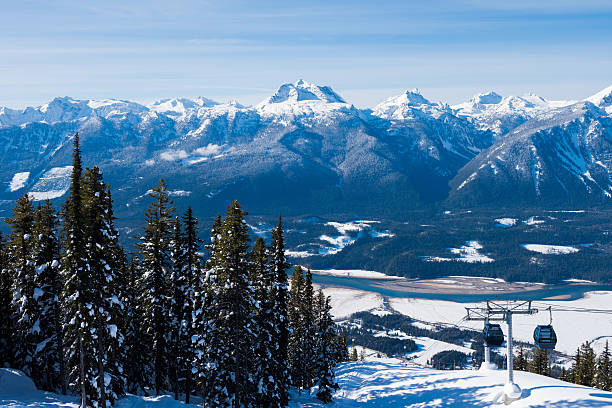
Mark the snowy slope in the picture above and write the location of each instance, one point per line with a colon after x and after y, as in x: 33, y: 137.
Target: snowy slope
x: 490, y: 110
x: 389, y: 384
x: 562, y: 155
x: 374, y: 383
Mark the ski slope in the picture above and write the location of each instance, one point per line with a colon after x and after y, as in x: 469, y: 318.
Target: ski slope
x: 384, y: 383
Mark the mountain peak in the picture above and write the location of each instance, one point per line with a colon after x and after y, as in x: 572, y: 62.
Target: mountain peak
x: 180, y: 106
x: 301, y: 91
x: 413, y: 98
x: 487, y: 98
x: 602, y: 98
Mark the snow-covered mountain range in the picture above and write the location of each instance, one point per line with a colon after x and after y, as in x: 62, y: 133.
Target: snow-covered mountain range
x: 305, y: 149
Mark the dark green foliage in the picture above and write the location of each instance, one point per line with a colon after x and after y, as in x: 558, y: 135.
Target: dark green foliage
x: 8, y: 322
x: 313, y: 344
x: 233, y: 317
x: 177, y: 293
x: 22, y: 267
x: 389, y: 345
x: 78, y: 295
x: 191, y: 264
x: 155, y: 253
x: 48, y: 281
x: 136, y: 351
x: 262, y: 277
x: 539, y: 362
x: 521, y: 361
x: 324, y: 336
x: 206, y: 343
x: 603, y: 376
x: 297, y: 364
x: 449, y: 360
x: 354, y: 356
x: 105, y: 264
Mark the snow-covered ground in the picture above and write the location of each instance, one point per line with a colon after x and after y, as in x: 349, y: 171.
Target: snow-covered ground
x: 53, y: 183
x: 18, y: 391
x: 470, y: 252
x: 355, y: 273
x: 18, y: 181
x: 572, y: 323
x: 573, y: 327
x: 550, y: 249
x: 506, y: 222
x: 345, y: 302
x: 386, y: 383
x: 347, y: 233
x: 376, y: 382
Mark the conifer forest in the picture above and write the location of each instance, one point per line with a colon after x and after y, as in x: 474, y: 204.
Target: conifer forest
x: 212, y: 318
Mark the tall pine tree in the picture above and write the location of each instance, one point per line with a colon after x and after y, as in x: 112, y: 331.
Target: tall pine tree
x: 22, y: 266
x: 78, y: 296
x: 206, y: 342
x: 135, y: 357
x: 604, y: 370
x: 262, y: 276
x: 324, y: 349
x: 298, y: 331
x: 49, y: 286
x: 280, y: 307
x: 234, y: 315
x: 105, y: 266
x: 192, y: 271
x: 8, y: 322
x: 155, y: 252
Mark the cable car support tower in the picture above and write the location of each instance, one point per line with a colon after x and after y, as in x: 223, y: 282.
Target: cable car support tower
x: 497, y: 311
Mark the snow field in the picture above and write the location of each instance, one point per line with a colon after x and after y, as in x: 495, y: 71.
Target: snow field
x: 18, y: 181
x: 385, y: 383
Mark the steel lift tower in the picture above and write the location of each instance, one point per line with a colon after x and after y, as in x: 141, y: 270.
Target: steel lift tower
x: 498, y: 311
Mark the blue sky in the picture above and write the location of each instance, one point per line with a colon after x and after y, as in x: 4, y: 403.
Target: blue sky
x: 243, y: 50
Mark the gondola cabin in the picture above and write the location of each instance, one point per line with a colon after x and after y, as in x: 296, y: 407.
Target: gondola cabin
x: 493, y: 335
x: 545, y: 337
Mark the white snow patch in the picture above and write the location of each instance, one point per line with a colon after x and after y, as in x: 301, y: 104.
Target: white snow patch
x: 209, y: 150
x: 388, y: 383
x: 550, y: 249
x: 533, y: 221
x: 506, y: 222
x: 345, y: 302
x: 355, y: 273
x: 19, y: 180
x: 173, y: 155
x: 52, y: 184
x: 470, y: 252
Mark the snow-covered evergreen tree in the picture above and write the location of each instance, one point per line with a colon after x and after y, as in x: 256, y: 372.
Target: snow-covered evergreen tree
x: 205, y: 340
x: 48, y: 289
x: 324, y: 349
x: 135, y: 357
x: 234, y: 381
x: 105, y: 266
x: 22, y: 267
x: 155, y: 253
x: 8, y: 322
x: 280, y: 337
x: 78, y: 295
x: 177, y: 292
x: 309, y: 343
x: 604, y: 370
x: 192, y: 271
x: 298, y: 331
x: 262, y: 276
